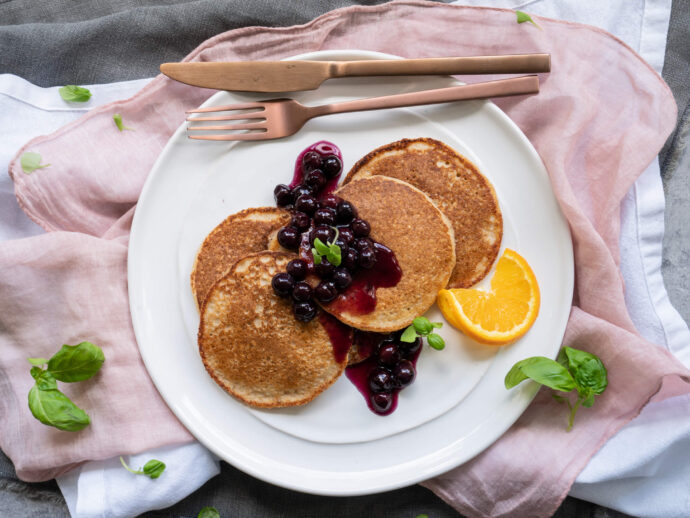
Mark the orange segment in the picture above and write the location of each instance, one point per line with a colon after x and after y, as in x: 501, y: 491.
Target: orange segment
x: 504, y: 313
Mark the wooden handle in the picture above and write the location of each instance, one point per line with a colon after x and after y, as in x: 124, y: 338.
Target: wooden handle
x: 511, y: 64
x: 501, y: 88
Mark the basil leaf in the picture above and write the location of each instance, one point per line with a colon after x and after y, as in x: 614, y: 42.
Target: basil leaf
x: 76, y: 362
x: 436, y: 341
x: 321, y: 248
x: 74, y: 93
x: 53, y: 408
x: 558, y: 398
x: 588, y: 400
x: 587, y: 369
x: 542, y: 370
x: 409, y: 335
x: 31, y: 161
x: 37, y: 361
x: 437, y: 325
x: 422, y: 325
x: 524, y: 17
x: 44, y: 379
x: 118, y: 122
x: 208, y: 512
x: 154, y: 468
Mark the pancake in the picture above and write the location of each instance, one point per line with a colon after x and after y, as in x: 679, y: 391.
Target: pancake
x: 238, y: 235
x: 253, y: 347
x: 457, y: 187
x: 405, y: 220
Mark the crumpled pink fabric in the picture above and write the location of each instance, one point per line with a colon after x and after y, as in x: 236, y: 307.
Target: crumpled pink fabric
x: 601, y: 117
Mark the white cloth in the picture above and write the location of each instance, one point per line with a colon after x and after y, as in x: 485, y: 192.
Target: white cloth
x: 641, y: 471
x: 99, y: 488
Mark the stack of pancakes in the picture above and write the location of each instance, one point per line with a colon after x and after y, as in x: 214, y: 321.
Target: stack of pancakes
x: 423, y: 200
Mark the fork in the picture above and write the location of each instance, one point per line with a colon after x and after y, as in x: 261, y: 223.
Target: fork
x: 277, y: 118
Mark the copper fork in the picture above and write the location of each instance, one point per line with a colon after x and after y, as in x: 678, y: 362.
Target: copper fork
x: 277, y: 118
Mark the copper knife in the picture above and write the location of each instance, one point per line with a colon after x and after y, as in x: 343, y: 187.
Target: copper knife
x: 291, y: 76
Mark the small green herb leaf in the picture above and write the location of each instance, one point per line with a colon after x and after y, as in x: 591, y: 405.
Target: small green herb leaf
x: 208, y: 512
x: 409, y: 335
x: 437, y: 325
x: 588, y: 370
x: 118, y: 122
x: 75, y: 94
x: 321, y: 248
x: 53, y: 408
x: 524, y: 17
x: 422, y: 516
x: 44, y: 379
x: 317, y: 257
x: 154, y: 468
x: 542, y: 370
x: 31, y: 161
x: 76, y: 362
x: 558, y: 398
x: 38, y: 361
x: 436, y: 341
x: 422, y: 325
x: 334, y: 256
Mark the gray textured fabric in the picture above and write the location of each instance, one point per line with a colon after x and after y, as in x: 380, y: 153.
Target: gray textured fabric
x: 55, y: 42
x: 675, y: 163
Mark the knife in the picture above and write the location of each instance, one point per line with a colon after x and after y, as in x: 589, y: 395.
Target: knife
x: 291, y: 76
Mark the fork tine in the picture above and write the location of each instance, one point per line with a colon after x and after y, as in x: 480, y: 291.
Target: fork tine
x: 235, y: 116
x: 238, y: 106
x: 255, y: 135
x: 249, y: 125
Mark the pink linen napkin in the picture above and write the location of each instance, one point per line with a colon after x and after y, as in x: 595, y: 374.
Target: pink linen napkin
x: 601, y: 117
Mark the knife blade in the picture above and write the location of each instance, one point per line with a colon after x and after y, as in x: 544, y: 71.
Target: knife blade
x: 291, y: 76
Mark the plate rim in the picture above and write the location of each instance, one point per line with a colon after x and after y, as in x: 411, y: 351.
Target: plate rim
x: 265, y: 474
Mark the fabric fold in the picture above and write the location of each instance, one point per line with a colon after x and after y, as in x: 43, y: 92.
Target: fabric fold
x: 600, y: 118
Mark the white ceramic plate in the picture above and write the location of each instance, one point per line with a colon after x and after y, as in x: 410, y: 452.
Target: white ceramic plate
x: 335, y: 446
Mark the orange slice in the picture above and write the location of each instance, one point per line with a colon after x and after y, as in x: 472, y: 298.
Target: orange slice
x: 500, y: 315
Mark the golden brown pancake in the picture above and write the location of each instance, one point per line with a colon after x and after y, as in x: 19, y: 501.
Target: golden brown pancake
x: 462, y: 193
x: 405, y: 220
x: 240, y: 234
x: 252, y: 345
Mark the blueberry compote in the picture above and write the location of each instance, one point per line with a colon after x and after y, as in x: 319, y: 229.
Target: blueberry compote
x: 364, y: 265
x: 390, y: 368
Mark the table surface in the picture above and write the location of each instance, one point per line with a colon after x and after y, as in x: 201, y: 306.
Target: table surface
x: 233, y: 492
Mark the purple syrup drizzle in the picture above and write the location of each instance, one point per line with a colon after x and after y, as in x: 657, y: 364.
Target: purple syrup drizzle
x: 358, y: 374
x: 360, y: 297
x: 324, y: 148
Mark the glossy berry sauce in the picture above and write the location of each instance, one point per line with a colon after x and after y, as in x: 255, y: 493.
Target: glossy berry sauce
x: 359, y: 373
x: 360, y: 297
x: 324, y: 148
x: 339, y: 334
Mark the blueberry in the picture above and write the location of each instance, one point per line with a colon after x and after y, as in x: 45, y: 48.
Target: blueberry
x: 342, y: 244
x: 404, y: 373
x: 367, y: 258
x: 304, y: 311
x: 306, y: 203
x: 324, y: 269
x: 300, y: 220
x: 345, y: 233
x: 330, y: 200
x: 342, y: 278
x: 324, y: 216
x: 360, y: 227
x: 323, y: 232
x: 288, y: 237
x: 350, y: 259
x: 302, y: 292
x: 297, y: 268
x: 363, y: 243
x: 325, y: 291
x: 282, y: 195
x: 316, y: 180
x: 331, y: 166
x: 346, y: 212
x: 282, y: 284
x: 381, y: 401
x: 310, y: 161
x: 389, y: 355
x: 380, y: 379
x: 409, y: 349
x: 300, y: 190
